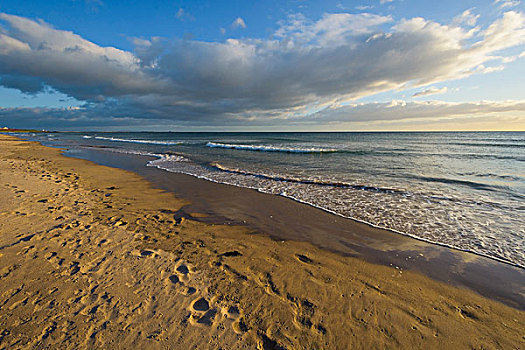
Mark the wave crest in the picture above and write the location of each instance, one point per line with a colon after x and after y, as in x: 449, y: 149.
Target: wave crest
x: 261, y: 148
x: 305, y: 181
x: 153, y: 142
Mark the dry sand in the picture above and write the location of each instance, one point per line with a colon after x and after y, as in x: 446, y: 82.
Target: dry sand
x: 92, y: 256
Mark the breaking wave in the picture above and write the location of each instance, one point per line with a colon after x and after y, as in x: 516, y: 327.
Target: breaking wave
x: 152, y: 142
x: 262, y: 148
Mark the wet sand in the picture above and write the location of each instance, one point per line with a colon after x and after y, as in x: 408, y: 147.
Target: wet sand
x: 92, y: 256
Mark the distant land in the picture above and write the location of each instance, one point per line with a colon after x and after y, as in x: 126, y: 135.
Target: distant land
x: 6, y: 129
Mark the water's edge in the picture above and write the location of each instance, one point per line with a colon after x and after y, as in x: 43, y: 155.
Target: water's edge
x: 413, y: 236
x: 302, y: 222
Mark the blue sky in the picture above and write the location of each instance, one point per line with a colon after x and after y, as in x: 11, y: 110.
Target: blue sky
x: 263, y: 65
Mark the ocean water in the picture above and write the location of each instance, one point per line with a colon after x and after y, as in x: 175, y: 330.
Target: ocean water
x: 460, y: 189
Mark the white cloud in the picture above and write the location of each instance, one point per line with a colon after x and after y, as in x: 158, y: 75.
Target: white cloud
x: 430, y: 91
x: 402, y: 110
x: 508, y: 59
x: 238, y: 23
x: 337, y: 29
x: 482, y: 69
x: 382, y: 2
x: 364, y: 7
x: 467, y: 18
x: 505, y: 4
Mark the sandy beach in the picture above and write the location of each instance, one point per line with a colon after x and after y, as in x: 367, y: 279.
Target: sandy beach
x: 96, y: 257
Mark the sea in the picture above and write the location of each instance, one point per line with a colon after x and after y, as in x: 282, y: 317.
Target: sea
x: 464, y: 190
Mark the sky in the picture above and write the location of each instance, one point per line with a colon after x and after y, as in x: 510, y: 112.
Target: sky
x: 380, y: 65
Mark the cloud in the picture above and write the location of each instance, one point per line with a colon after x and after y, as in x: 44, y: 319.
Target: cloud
x: 357, y: 7
x: 238, y: 23
x: 68, y: 62
x: 304, y: 66
x: 504, y: 4
x: 184, y: 15
x: 482, y: 69
x: 397, y: 110
x: 364, y: 7
x: 430, y: 91
x: 30, y: 85
x: 382, y: 2
x: 467, y: 18
x: 111, y: 115
x: 331, y: 30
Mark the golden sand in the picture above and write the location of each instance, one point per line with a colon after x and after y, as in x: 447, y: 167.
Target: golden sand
x: 94, y: 257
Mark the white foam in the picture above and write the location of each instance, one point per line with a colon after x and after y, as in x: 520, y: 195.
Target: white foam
x: 261, y: 148
x: 153, y: 142
x: 166, y: 158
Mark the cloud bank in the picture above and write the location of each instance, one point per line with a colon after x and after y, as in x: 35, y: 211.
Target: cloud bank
x: 100, y: 117
x: 307, y: 70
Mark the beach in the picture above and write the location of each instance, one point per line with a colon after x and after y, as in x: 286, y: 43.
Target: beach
x: 95, y: 257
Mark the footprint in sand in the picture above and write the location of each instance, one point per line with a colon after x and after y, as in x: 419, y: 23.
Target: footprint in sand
x: 179, y: 280
x: 186, y: 290
x: 303, y: 258
x: 101, y: 242
x: 190, y: 291
x: 204, y: 315
x: 232, y: 316
x: 200, y: 304
x: 239, y: 326
x: 146, y: 253
x: 231, y: 313
x: 207, y: 318
x: 183, y: 272
x: 233, y: 253
x: 183, y: 269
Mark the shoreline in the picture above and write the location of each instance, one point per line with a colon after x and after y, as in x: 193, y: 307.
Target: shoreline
x: 470, y: 248
x: 97, y: 256
x: 346, y: 236
x: 412, y: 236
